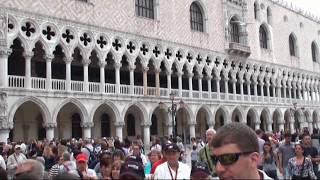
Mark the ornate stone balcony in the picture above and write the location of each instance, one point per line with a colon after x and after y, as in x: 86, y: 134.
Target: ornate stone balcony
x: 239, y: 49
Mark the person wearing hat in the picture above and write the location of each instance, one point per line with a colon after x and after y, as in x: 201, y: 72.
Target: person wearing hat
x: 82, y: 168
x: 200, y: 171
x: 132, y: 170
x: 14, y: 160
x: 172, y: 169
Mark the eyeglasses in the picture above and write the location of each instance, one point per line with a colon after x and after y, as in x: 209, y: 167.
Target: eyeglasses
x: 228, y: 159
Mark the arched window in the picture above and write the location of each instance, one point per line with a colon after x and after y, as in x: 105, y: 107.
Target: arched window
x: 105, y: 125
x: 76, y: 129
x: 314, y: 51
x: 145, y: 8
x: 196, y: 17
x: 234, y: 31
x: 154, y: 125
x: 292, y: 45
x: 269, y: 15
x: 263, y: 37
x: 131, y: 125
x: 255, y: 6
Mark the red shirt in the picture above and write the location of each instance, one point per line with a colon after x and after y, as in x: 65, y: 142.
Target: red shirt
x: 156, y: 164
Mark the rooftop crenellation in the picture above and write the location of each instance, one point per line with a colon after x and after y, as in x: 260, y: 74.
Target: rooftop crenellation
x: 297, y: 9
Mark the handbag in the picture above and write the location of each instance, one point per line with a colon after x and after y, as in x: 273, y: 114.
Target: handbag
x: 300, y: 177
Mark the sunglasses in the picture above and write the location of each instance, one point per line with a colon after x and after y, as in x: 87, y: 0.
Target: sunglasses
x: 229, y: 159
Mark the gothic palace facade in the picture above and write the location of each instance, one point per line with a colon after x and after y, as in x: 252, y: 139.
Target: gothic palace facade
x: 95, y: 68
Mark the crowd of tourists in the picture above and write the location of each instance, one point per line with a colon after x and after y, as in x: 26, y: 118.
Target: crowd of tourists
x: 234, y: 151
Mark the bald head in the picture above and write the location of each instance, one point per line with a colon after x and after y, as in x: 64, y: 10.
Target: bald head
x: 210, y: 134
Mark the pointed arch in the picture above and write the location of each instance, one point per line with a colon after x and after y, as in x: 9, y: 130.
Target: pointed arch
x: 208, y: 112
x: 142, y: 109
x: 83, y: 111
x: 197, y: 16
x: 264, y: 37
x: 293, y: 45
x: 238, y: 115
x: 314, y: 51
x: 110, y: 105
x: 221, y: 116
x: 43, y: 107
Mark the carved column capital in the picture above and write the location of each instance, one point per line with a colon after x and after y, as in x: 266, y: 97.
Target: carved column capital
x: 49, y: 124
x: 87, y: 124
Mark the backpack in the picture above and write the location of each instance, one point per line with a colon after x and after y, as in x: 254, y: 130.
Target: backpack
x: 93, y: 159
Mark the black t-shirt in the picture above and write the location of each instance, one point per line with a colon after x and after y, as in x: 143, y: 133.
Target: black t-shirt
x: 313, y: 152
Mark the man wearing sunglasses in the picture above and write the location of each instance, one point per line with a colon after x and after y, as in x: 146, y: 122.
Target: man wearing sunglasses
x: 236, y: 149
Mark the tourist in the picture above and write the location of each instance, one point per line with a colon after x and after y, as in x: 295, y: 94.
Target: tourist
x: 269, y: 161
x: 236, y: 148
x: 205, y: 155
x: 300, y: 167
x: 14, y: 160
x: 82, y: 168
x: 172, y: 169
x: 285, y: 152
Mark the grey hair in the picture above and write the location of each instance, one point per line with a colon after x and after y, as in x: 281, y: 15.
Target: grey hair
x: 66, y: 156
x: 211, y: 130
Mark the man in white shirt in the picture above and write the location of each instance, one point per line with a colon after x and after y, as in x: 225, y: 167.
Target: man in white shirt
x: 172, y: 169
x: 14, y: 160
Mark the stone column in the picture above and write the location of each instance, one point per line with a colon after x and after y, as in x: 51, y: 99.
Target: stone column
x: 68, y: 73
x: 261, y: 89
x: 119, y: 127
x: 218, y: 86
x: 200, y: 85
x: 145, y: 81
x: 274, y: 91
x: 255, y: 88
x: 268, y: 91
x: 28, y: 56
x: 146, y: 136
x: 257, y: 125
x: 117, y: 67
x: 86, y: 126
x: 49, y: 59
x: 86, y: 76
x: 4, y: 54
x: 102, y: 77
x: 291, y: 127
x: 5, y: 127
x: 248, y: 88
x: 157, y: 74
x: 269, y: 127
x: 241, y: 89
x: 234, y: 88
x: 294, y: 93
x: 284, y: 91
x: 281, y: 126
x: 290, y: 95
x: 49, y: 130
x: 209, y: 86
x: 180, y: 73
x: 132, y: 68
x: 226, y: 88
x: 192, y: 129
x: 190, y: 75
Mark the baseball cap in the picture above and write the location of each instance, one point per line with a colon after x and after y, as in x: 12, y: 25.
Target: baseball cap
x: 132, y: 169
x: 172, y: 147
x: 17, y: 146
x: 200, y: 170
x: 82, y: 157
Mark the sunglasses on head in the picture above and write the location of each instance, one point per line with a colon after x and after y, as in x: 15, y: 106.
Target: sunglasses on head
x: 229, y: 159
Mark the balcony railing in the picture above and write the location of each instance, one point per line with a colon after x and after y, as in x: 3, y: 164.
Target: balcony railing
x: 95, y: 87
x: 240, y: 49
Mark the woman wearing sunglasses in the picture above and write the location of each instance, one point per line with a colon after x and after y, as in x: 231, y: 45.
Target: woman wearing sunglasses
x: 300, y: 167
x: 269, y: 161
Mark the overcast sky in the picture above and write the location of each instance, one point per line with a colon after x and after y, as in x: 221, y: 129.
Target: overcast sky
x: 309, y: 5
